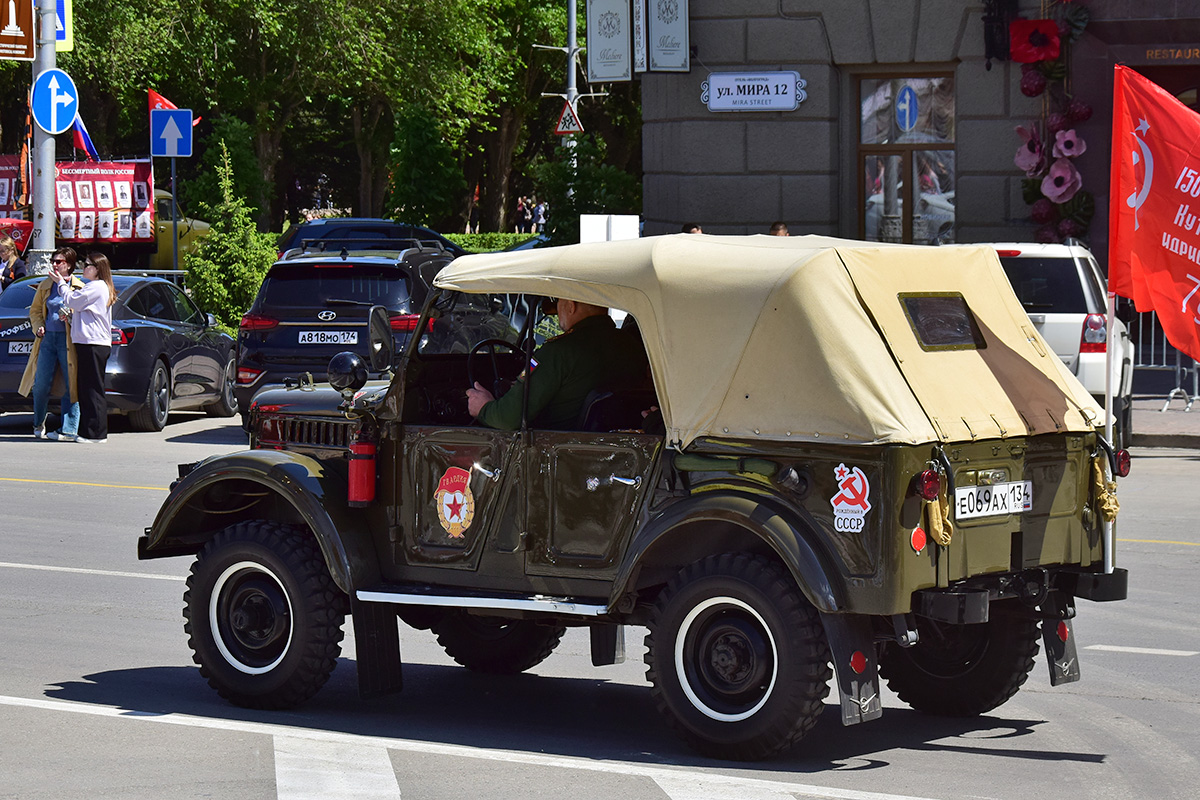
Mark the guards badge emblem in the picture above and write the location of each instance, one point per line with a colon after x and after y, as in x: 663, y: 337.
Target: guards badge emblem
x: 455, y: 503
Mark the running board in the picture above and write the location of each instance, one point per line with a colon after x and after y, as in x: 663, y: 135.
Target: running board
x: 550, y: 605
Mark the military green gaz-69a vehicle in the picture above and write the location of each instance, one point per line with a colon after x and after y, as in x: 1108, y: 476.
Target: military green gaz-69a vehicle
x: 868, y: 464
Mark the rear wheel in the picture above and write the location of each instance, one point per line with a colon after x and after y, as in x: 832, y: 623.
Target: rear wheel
x: 964, y: 670
x: 737, y: 657
x: 152, y: 416
x: 494, y: 644
x: 264, y: 617
x: 226, y: 405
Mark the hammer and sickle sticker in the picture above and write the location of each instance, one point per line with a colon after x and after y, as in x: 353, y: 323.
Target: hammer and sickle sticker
x: 852, y: 502
x: 455, y: 503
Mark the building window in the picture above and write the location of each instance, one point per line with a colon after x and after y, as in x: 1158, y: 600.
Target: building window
x: 906, y: 140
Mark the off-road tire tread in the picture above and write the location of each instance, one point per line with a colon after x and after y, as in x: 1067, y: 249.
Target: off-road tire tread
x: 810, y: 684
x: 327, y: 607
x: 1010, y: 657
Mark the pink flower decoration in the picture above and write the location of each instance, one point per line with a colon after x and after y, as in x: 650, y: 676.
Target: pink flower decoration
x: 1031, y: 156
x: 1062, y: 182
x: 1067, y: 144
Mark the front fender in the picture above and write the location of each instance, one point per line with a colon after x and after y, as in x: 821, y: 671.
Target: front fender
x: 266, y: 484
x: 772, y: 523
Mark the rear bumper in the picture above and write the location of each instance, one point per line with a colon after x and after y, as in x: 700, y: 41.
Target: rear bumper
x: 967, y: 602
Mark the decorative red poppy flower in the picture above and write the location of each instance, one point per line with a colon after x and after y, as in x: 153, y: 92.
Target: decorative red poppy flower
x: 1032, y: 40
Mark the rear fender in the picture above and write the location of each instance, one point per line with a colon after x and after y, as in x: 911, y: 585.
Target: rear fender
x: 266, y: 484
x: 718, y: 522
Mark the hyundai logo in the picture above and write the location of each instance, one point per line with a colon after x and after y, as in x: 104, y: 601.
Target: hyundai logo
x: 327, y: 316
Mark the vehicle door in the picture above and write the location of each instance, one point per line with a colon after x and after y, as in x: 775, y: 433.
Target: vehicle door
x: 155, y: 302
x: 207, y: 352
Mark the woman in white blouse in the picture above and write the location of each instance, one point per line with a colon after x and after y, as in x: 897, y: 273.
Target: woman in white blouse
x: 91, y: 332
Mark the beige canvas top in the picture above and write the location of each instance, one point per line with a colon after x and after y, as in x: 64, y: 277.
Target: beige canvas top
x: 806, y: 338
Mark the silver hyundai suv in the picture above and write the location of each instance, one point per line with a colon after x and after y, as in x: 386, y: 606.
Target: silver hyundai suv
x: 1063, y: 290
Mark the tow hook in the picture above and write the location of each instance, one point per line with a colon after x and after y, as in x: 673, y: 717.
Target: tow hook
x: 1032, y: 586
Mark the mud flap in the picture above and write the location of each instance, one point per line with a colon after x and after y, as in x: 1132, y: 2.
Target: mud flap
x: 1058, y: 637
x: 376, y: 648
x: 856, y: 664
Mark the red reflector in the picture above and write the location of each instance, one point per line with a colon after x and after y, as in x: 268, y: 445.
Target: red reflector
x: 248, y: 374
x: 918, y: 539
x: 1094, y: 335
x: 268, y: 409
x: 929, y: 484
x: 120, y: 336
x: 257, y: 322
x: 1063, y: 632
x: 1008, y: 253
x: 1124, y: 462
x: 858, y: 662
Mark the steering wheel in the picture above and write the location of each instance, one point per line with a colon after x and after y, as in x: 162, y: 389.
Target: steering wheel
x: 490, y: 346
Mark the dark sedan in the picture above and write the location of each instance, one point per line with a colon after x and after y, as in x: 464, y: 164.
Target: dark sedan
x: 166, y: 353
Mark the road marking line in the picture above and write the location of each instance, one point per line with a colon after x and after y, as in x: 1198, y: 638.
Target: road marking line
x: 308, y: 770
x: 79, y: 570
x: 1160, y: 541
x: 747, y: 787
x: 1147, y: 651
x: 81, y: 483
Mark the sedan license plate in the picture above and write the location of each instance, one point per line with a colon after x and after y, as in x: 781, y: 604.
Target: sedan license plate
x: 328, y: 337
x: 996, y: 500
x: 20, y: 348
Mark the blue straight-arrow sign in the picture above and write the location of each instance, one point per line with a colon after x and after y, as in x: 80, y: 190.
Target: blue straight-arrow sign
x: 171, y: 133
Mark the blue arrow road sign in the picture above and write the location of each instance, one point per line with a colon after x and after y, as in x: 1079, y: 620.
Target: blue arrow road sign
x: 54, y: 101
x: 906, y: 109
x: 171, y: 132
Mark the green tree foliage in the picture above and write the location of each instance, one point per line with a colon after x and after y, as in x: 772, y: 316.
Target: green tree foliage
x: 227, y: 268
x: 234, y: 139
x: 426, y: 177
x: 598, y: 188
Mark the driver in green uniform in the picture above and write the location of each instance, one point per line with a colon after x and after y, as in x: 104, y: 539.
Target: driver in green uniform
x: 592, y: 354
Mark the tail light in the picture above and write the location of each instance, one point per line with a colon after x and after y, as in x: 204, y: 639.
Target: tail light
x: 1094, y: 337
x: 248, y: 375
x: 408, y: 322
x: 1123, y: 463
x: 257, y: 322
x: 122, y: 336
x: 928, y: 484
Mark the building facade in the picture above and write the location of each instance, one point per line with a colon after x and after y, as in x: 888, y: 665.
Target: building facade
x: 905, y: 129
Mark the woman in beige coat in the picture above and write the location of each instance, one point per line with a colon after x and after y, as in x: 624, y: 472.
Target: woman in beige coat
x: 51, y: 365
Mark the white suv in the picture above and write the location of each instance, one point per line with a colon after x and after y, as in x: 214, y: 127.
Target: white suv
x: 1063, y: 291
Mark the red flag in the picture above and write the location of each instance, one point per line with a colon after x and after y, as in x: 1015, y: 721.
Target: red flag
x: 158, y: 101
x: 1154, y: 206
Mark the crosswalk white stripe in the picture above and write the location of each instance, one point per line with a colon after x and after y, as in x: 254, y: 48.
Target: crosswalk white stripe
x: 746, y: 787
x: 306, y: 769
x: 1146, y: 651
x: 697, y: 787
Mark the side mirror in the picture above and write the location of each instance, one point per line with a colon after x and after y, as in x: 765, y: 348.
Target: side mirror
x: 210, y: 320
x: 380, y: 337
x: 347, y: 373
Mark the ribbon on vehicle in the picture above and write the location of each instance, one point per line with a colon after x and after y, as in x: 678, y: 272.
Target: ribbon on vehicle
x: 937, y: 519
x: 1104, y: 490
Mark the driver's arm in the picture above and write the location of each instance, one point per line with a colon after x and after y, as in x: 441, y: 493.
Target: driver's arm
x: 544, y: 381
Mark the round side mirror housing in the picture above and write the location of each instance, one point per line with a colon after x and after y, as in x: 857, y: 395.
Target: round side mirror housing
x: 379, y: 335
x: 347, y: 372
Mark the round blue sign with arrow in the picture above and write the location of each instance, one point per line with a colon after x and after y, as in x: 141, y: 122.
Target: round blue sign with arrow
x: 906, y: 109
x: 54, y: 101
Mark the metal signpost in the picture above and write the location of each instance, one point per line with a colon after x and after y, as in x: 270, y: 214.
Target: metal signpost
x: 171, y: 137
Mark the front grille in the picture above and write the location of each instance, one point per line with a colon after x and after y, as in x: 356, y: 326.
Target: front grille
x: 304, y: 431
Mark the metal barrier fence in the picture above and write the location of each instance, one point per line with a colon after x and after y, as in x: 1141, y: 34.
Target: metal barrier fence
x: 1153, y: 351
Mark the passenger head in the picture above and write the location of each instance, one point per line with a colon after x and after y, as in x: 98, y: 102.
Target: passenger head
x: 779, y: 229
x: 691, y: 227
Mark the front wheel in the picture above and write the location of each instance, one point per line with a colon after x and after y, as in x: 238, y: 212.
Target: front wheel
x: 496, y: 645
x: 263, y: 616
x: 964, y: 670
x: 737, y: 658
x: 152, y: 416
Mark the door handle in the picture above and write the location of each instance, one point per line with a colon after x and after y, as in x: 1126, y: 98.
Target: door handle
x: 634, y: 481
x: 493, y: 474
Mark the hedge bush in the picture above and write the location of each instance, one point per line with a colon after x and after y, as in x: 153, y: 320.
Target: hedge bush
x: 487, y: 242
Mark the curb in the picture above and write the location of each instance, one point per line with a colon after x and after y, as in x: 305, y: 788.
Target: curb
x: 1186, y: 441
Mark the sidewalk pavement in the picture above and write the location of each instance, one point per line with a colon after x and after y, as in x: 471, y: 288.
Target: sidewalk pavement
x: 1175, y: 427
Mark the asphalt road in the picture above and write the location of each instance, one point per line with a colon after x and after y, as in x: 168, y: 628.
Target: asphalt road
x: 99, y: 697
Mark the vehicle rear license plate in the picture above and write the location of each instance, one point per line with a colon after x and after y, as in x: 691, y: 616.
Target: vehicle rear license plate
x: 20, y: 348
x: 328, y: 337
x: 996, y: 500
